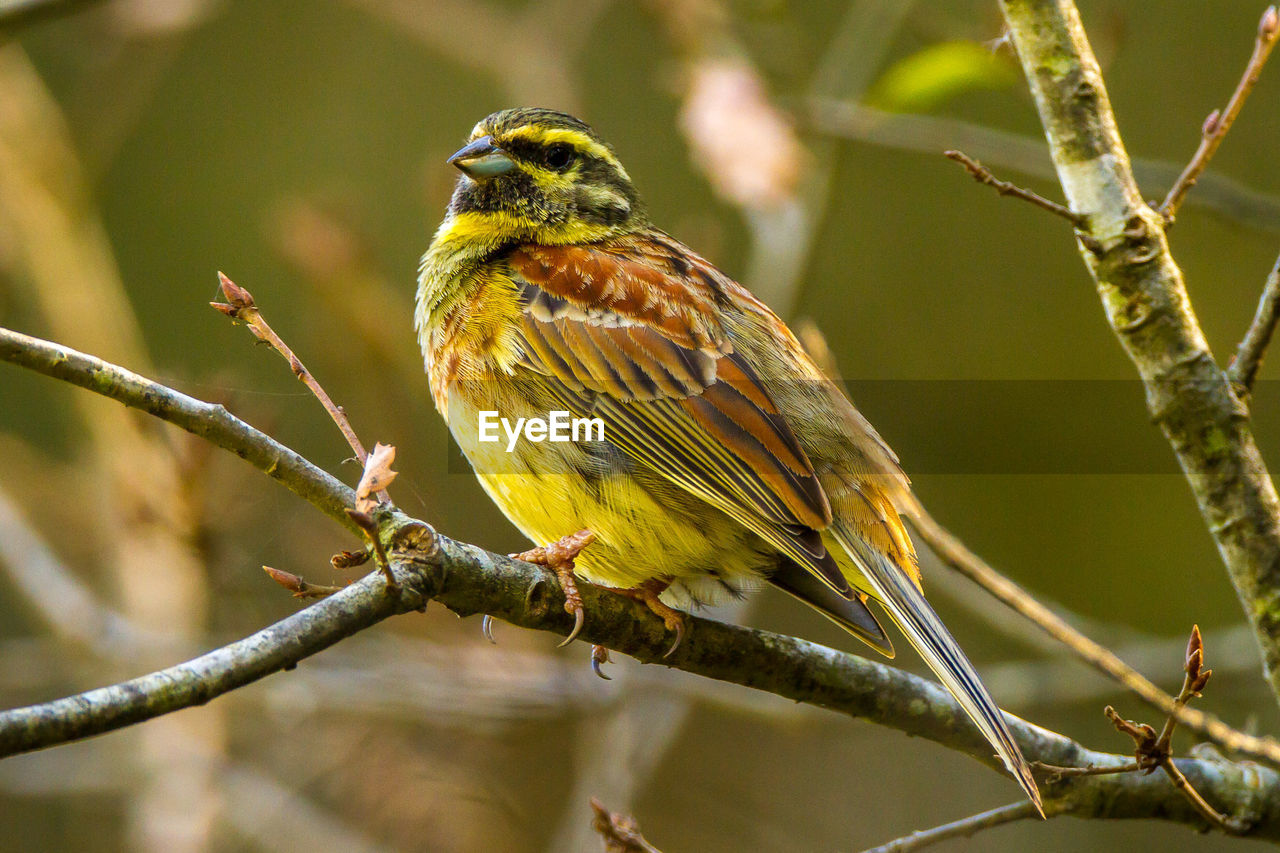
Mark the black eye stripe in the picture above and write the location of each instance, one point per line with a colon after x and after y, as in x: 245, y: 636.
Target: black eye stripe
x: 556, y: 155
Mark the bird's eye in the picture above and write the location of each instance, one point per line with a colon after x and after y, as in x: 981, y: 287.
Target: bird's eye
x: 559, y: 156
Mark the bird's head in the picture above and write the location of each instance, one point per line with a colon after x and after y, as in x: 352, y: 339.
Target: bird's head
x: 544, y: 176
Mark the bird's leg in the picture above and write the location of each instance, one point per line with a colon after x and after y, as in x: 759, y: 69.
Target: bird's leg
x: 648, y: 592
x: 559, y: 557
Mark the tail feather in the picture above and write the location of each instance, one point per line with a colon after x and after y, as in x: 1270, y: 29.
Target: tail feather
x: 911, y: 612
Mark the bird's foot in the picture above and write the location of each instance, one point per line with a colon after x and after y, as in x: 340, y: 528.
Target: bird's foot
x: 648, y: 592
x: 559, y: 558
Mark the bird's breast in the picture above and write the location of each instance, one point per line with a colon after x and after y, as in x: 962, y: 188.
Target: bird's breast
x: 472, y: 338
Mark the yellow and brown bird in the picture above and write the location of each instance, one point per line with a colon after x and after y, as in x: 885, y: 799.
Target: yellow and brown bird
x: 728, y: 459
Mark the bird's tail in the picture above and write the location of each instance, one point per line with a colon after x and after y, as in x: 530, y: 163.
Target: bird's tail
x: 907, y: 606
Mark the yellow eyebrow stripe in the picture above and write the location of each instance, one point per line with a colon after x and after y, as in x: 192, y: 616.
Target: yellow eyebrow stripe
x: 582, y: 142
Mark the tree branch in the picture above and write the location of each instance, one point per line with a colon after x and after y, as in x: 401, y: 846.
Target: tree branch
x: 929, y: 134
x: 1248, y: 359
x: 209, y: 421
x: 1218, y: 123
x: 470, y: 580
x: 953, y: 553
x: 982, y: 175
x: 964, y: 828
x: 1146, y: 302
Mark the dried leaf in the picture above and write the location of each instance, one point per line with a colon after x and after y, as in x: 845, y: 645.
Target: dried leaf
x: 376, y: 477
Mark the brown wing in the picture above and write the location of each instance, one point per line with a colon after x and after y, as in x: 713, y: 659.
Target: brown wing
x: 630, y: 331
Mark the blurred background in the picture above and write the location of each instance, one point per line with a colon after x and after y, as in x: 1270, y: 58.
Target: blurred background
x: 299, y: 146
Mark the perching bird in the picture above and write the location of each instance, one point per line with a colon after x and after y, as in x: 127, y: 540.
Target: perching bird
x: 728, y: 458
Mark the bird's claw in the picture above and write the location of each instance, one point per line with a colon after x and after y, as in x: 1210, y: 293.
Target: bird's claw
x: 578, y: 618
x: 559, y: 557
x: 486, y: 628
x: 649, y: 593
x: 675, y: 624
x: 600, y: 655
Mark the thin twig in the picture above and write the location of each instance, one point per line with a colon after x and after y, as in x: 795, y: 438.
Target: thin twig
x: 983, y: 175
x: 953, y: 552
x: 241, y: 306
x: 1228, y: 824
x: 209, y: 421
x: 928, y: 134
x: 1057, y: 772
x: 369, y: 527
x: 1218, y: 123
x: 1243, y: 369
x: 1152, y: 750
x: 958, y: 829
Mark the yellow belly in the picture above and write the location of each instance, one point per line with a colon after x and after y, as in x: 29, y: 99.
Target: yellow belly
x: 646, y: 528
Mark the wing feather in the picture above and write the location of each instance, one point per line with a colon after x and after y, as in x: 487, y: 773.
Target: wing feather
x: 639, y: 345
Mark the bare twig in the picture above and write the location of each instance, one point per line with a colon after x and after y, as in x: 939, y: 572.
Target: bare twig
x: 953, y: 552
x: 929, y: 134
x: 1243, y: 369
x: 369, y: 527
x: 1057, y: 773
x: 209, y: 421
x: 958, y: 829
x: 983, y: 175
x: 1152, y: 750
x: 1219, y: 122
x: 621, y: 833
x: 1228, y: 824
x: 241, y: 307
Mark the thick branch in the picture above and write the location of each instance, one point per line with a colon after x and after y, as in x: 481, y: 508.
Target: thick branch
x: 470, y: 580
x: 1147, y: 305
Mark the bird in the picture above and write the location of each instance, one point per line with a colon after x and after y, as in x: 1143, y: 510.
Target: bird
x: 728, y: 459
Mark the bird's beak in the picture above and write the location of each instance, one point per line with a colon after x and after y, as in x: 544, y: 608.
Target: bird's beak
x: 482, y: 159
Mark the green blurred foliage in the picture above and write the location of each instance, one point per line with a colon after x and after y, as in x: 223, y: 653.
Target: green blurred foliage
x: 935, y: 74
